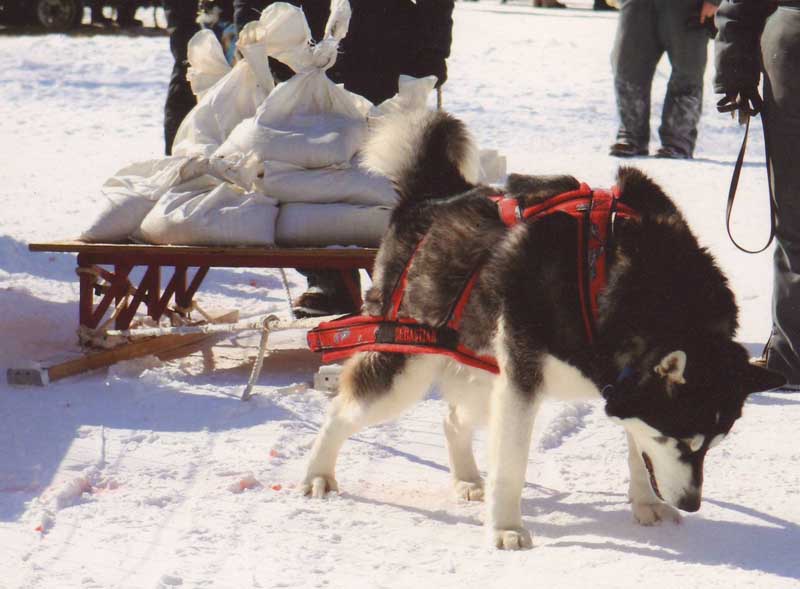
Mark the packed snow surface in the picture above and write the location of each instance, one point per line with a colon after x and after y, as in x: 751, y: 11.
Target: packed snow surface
x: 155, y: 475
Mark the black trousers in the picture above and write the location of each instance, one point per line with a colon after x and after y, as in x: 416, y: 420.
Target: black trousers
x: 780, y: 48
x: 180, y: 99
x: 645, y: 31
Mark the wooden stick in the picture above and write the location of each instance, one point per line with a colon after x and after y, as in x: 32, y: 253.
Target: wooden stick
x: 157, y: 346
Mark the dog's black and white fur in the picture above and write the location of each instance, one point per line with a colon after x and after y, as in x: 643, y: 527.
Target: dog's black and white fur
x: 663, y: 342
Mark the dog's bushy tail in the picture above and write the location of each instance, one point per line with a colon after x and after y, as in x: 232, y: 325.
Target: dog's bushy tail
x: 425, y: 154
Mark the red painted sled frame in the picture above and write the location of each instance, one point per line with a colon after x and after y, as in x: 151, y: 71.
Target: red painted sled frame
x: 112, y: 283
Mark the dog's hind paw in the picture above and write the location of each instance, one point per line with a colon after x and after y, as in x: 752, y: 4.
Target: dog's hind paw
x: 514, y: 539
x: 469, y: 490
x: 648, y: 514
x: 317, y: 486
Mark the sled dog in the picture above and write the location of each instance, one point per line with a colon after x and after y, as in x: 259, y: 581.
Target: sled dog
x: 660, y: 350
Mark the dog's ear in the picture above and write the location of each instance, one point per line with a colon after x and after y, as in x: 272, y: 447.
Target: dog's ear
x: 639, y: 191
x: 672, y: 367
x: 757, y: 379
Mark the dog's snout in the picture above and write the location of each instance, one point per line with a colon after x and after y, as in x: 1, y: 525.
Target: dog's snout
x: 690, y: 502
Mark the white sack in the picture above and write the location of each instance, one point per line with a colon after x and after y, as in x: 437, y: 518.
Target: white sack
x: 132, y: 192
x: 309, y: 140
x: 234, y: 97
x: 493, y: 166
x: 286, y: 33
x: 207, y: 63
x: 319, y: 225
x: 308, y: 120
x: 205, y: 212
x: 348, y: 184
x: 412, y: 94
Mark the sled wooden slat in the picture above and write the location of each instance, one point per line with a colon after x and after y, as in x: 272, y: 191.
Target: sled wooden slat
x: 104, y: 271
x: 223, y: 257
x: 165, y: 347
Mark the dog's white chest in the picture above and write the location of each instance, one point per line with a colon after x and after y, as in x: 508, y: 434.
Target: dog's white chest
x: 564, y: 382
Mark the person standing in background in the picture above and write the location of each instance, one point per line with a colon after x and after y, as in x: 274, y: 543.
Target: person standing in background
x: 181, y: 24
x: 646, y: 29
x: 386, y: 38
x: 126, y: 15
x: 753, y: 36
x: 96, y: 12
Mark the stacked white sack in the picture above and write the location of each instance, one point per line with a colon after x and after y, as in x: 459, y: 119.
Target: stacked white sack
x: 182, y: 200
x: 207, y: 212
x: 133, y: 191
x: 305, y: 135
x: 248, y: 142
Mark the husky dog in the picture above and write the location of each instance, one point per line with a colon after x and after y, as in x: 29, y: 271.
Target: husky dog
x: 662, y: 355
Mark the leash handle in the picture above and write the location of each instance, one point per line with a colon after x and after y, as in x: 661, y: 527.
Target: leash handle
x: 737, y: 170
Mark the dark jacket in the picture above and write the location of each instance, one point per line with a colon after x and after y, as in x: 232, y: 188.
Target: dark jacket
x: 737, y: 47
x: 386, y: 38
x: 180, y: 13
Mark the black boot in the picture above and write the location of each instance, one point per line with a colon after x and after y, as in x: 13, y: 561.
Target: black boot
x: 601, y: 5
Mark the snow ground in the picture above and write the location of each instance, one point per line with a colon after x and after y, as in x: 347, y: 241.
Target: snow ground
x: 154, y: 475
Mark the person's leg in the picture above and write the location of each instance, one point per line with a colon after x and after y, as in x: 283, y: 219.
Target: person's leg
x: 780, y: 47
x: 96, y: 10
x: 634, y: 58
x: 687, y: 48
x: 180, y: 99
x: 126, y: 13
x: 327, y: 294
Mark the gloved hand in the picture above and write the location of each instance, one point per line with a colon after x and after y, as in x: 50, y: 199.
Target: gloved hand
x: 747, y: 102
x: 430, y: 63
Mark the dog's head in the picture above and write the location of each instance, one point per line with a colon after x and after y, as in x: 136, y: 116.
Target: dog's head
x: 679, y: 401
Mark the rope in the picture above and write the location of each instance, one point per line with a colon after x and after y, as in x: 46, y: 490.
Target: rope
x: 98, y: 336
x: 199, y: 309
x: 288, y: 293
x: 184, y: 310
x: 206, y: 328
x: 91, y: 270
x: 259, y: 361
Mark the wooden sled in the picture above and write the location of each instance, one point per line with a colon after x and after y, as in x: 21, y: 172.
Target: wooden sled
x: 106, y: 289
x: 104, y: 271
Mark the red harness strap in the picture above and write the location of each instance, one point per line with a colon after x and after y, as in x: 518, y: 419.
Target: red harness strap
x: 594, y: 212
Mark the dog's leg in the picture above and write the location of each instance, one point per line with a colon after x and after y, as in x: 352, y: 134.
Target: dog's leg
x: 466, y: 478
x: 374, y: 387
x: 510, y: 427
x: 647, y: 508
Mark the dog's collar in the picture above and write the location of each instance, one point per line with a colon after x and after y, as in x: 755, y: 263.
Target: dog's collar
x: 625, y: 375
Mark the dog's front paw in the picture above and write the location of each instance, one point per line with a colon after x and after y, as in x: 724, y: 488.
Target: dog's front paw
x: 316, y: 486
x: 648, y: 514
x: 469, y: 490
x: 513, y: 539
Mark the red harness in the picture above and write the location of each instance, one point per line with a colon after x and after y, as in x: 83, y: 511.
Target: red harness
x: 594, y: 210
